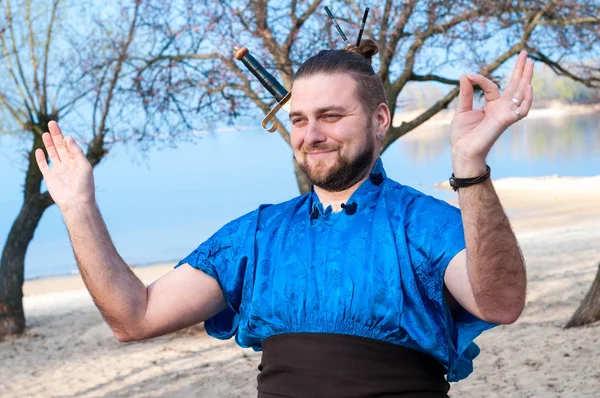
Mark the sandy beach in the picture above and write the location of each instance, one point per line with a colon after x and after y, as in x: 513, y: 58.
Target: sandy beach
x: 68, y: 351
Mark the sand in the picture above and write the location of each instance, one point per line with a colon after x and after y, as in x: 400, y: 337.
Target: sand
x: 68, y: 351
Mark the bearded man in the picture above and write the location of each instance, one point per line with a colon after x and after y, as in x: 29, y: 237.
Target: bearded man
x: 362, y: 287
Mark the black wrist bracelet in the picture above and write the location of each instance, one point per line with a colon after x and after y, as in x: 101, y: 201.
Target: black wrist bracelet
x: 456, y: 183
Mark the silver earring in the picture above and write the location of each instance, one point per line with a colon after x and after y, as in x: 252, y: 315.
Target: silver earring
x: 380, y: 136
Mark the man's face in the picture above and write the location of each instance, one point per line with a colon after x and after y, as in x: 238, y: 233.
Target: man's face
x: 333, y: 139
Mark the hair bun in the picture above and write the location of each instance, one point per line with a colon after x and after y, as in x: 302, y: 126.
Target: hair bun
x: 367, y: 49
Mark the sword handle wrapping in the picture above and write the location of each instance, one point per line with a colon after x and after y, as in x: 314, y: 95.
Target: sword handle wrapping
x: 264, y: 77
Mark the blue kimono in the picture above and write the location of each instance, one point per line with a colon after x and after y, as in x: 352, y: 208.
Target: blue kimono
x: 374, y: 270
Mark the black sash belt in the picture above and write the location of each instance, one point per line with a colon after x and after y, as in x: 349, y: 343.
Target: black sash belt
x: 315, y: 365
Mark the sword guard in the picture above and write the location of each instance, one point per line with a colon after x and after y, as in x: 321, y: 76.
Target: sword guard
x: 270, y: 118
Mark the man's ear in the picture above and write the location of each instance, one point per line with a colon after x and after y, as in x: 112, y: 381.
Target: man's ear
x: 383, y: 118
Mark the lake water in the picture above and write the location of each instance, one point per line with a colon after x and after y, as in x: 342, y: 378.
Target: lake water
x: 160, y: 206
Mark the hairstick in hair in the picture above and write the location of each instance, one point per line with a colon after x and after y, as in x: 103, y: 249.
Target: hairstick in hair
x: 340, y: 31
x: 362, y: 26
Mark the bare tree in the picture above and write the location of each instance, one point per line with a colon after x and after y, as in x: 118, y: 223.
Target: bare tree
x: 589, y: 310
x: 39, y: 84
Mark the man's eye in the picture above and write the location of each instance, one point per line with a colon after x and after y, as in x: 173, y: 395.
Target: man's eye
x: 297, y: 120
x: 332, y: 117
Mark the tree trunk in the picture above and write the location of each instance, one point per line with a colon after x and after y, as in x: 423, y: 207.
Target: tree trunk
x: 12, y: 264
x: 303, y: 183
x: 589, y: 309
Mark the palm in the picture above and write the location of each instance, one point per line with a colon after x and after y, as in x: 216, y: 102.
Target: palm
x: 67, y: 179
x: 70, y: 179
x: 479, y: 129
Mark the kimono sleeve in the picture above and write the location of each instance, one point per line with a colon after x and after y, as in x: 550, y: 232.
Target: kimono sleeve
x: 224, y: 257
x: 436, y: 235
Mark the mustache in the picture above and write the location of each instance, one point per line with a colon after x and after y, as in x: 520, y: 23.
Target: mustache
x: 319, y: 148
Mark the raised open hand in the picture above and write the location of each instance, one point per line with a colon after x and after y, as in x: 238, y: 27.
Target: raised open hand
x: 70, y: 180
x: 473, y: 132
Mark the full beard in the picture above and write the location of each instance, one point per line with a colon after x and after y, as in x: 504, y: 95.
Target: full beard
x: 343, y: 174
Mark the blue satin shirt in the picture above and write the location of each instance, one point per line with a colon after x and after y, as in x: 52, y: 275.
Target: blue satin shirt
x: 375, y: 270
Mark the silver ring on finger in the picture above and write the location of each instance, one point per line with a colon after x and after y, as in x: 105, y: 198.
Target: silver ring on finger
x: 516, y: 111
x: 516, y: 101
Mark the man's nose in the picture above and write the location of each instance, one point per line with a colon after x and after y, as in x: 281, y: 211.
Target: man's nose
x: 314, y: 133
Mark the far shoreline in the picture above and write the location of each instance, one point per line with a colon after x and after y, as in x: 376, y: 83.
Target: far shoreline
x: 552, y: 109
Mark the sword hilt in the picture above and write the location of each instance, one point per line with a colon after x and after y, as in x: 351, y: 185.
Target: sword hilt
x: 264, y: 77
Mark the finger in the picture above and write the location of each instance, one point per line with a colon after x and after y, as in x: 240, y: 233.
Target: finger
x: 68, y: 151
x: 527, y: 101
x: 75, y: 150
x: 465, y: 97
x: 40, y: 158
x: 57, y: 137
x: 50, y: 148
x: 525, y: 81
x: 517, y: 74
x: 491, y: 90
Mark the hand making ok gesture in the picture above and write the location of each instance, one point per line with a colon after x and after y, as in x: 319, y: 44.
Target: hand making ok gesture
x: 473, y: 132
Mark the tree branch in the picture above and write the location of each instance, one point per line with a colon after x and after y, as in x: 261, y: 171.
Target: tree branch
x: 430, y: 77
x: 174, y: 57
x: 14, y: 113
x: 296, y: 25
x: 575, y: 21
x: 96, y: 148
x: 392, y: 42
x: 34, y: 61
x: 591, y: 82
x: 420, y: 40
x: 266, y: 34
x: 16, y: 55
x: 396, y: 87
x: 396, y: 132
x: 6, y: 56
x: 47, y: 55
x: 100, y: 86
x: 383, y: 28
